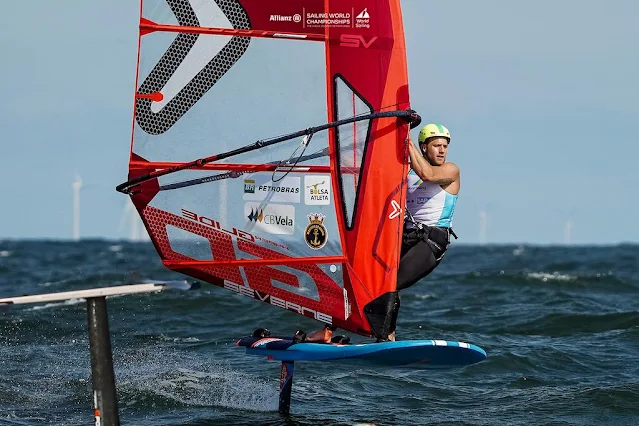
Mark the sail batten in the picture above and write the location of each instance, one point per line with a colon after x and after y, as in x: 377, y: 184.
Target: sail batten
x: 248, y: 262
x: 148, y: 27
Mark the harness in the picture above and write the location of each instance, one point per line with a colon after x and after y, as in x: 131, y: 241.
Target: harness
x: 437, y: 237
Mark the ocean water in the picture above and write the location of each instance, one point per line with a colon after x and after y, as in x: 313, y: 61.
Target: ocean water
x: 560, y: 326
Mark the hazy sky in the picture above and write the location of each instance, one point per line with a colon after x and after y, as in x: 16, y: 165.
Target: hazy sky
x: 541, y: 99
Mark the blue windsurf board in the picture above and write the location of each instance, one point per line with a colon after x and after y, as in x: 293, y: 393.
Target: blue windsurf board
x: 425, y: 353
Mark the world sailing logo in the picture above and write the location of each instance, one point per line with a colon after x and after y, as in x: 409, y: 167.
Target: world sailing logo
x: 364, y: 14
x: 363, y: 19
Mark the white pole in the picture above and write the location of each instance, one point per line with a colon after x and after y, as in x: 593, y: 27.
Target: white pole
x: 133, y: 223
x: 483, y: 227
x: 568, y: 232
x: 76, y: 186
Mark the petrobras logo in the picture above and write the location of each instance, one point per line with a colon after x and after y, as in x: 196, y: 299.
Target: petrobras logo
x: 317, y: 190
x: 249, y: 186
x: 259, y: 186
x: 270, y: 218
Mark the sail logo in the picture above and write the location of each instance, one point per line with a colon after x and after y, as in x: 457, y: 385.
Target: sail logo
x: 364, y: 14
x: 271, y: 218
x: 356, y: 40
x: 191, y: 65
x: 276, y: 301
x: 397, y: 210
x: 328, y: 19
x: 260, y: 186
x: 249, y: 186
x: 256, y: 215
x: 317, y: 190
x: 297, y: 18
x: 233, y: 232
x: 363, y: 19
x: 280, y: 18
x: 315, y: 233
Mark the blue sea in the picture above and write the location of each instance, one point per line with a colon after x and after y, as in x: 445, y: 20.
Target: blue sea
x: 560, y: 326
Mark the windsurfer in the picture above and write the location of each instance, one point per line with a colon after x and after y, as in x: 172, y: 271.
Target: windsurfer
x: 433, y: 187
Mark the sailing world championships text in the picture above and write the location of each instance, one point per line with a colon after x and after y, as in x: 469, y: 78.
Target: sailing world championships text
x: 328, y: 18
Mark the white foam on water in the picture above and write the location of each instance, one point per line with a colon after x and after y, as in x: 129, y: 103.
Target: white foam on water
x: 179, y: 339
x: 195, y: 383
x: 425, y: 296
x: 555, y: 276
x: 519, y: 251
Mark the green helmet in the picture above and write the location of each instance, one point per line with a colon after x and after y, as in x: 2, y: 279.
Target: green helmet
x: 432, y: 131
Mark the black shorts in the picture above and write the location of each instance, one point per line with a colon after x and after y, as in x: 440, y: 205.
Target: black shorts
x: 422, y: 250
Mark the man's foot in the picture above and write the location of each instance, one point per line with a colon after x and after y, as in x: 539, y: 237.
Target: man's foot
x: 299, y: 337
x: 322, y: 335
x: 389, y: 338
x: 341, y: 340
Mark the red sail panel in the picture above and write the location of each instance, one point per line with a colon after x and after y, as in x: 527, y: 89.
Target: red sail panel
x: 369, y: 58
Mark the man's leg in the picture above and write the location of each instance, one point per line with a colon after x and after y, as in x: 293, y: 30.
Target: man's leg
x: 418, y: 262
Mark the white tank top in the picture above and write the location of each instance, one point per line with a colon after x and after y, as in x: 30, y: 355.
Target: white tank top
x: 428, y: 203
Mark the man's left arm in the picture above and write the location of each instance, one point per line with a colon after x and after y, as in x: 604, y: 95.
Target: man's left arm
x: 445, y: 174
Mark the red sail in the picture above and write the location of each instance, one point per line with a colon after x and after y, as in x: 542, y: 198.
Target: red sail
x: 309, y: 221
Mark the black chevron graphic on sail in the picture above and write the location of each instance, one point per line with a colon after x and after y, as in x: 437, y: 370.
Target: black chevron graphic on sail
x: 159, y: 122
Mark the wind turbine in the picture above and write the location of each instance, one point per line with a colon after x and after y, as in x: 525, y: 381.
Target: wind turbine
x: 76, y: 186
x: 568, y: 232
x: 483, y: 227
x: 131, y: 220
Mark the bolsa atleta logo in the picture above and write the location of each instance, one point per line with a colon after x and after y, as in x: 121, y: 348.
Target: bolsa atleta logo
x: 317, y: 190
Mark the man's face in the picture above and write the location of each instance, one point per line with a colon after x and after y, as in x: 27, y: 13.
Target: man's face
x: 435, y: 150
